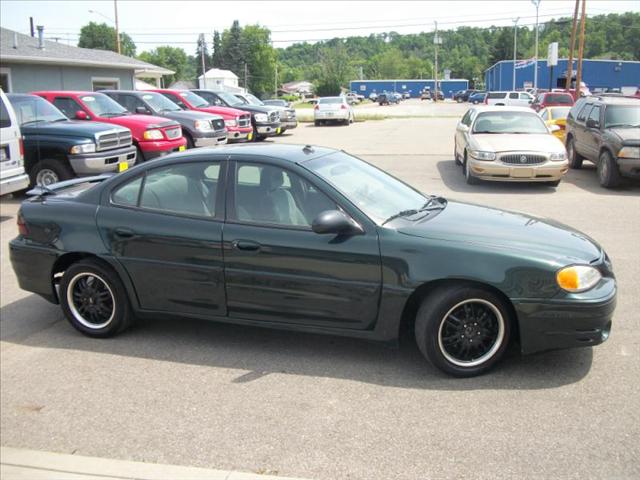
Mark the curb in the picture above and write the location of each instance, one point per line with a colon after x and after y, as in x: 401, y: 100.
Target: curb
x: 23, y: 464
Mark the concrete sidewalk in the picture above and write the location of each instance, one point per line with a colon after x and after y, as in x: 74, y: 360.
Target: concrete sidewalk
x: 22, y: 464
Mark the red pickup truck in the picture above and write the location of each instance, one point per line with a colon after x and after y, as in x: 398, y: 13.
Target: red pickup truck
x: 238, y: 122
x: 153, y: 136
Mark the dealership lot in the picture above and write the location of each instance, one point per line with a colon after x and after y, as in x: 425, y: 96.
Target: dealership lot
x: 233, y: 397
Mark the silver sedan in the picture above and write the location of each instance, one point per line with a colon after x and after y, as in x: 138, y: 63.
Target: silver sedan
x: 332, y: 109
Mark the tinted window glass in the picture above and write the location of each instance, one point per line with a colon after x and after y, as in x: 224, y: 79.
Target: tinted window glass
x: 559, y: 99
x: 68, y: 106
x: 187, y: 189
x: 130, y: 102
x: 175, y: 99
x: 622, y: 116
x: 271, y: 195
x: 513, y: 95
x: 582, y: 116
x: 32, y: 109
x: 330, y: 100
x: 5, y: 121
x: 595, y: 114
x: 127, y: 194
x: 495, y: 95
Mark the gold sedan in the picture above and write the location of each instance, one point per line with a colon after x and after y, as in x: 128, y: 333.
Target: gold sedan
x: 556, y: 116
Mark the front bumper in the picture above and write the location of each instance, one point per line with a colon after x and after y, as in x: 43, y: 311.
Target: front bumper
x: 14, y: 183
x: 629, y: 167
x: 211, y: 139
x: 502, y: 172
x: 288, y: 124
x: 555, y: 324
x: 239, y: 134
x: 268, y: 129
x: 161, y: 148
x: 101, y: 162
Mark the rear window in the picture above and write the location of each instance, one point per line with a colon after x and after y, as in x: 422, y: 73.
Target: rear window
x: 5, y: 120
x: 560, y: 112
x: 562, y: 99
x: 330, y: 100
x: 497, y: 95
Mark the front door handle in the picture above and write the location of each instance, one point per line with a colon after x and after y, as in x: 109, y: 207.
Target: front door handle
x: 124, y: 232
x: 246, y: 245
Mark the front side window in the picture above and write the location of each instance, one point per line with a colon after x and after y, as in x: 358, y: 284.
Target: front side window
x: 376, y: 193
x: 513, y: 95
x: 131, y: 103
x: 68, y: 106
x: 582, y: 115
x: 5, y: 120
x: 267, y: 194
x: 595, y: 114
x: 31, y: 109
x: 188, y: 189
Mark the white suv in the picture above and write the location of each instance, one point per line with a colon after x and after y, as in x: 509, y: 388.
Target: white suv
x: 12, y: 175
x: 509, y: 98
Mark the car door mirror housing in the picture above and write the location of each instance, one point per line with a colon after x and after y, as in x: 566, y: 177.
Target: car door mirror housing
x: 591, y: 123
x: 335, y: 222
x: 81, y: 115
x: 462, y: 127
x: 142, y: 110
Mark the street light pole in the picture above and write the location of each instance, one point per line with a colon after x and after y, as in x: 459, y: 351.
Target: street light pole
x: 436, y: 41
x: 515, y: 49
x: 535, y: 71
x: 115, y: 8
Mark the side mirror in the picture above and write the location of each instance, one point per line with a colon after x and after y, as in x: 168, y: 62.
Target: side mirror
x: 81, y: 115
x: 554, y: 128
x: 462, y: 127
x: 142, y: 110
x: 591, y: 123
x: 335, y: 222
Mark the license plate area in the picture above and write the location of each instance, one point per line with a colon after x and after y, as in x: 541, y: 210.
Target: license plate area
x: 522, y: 172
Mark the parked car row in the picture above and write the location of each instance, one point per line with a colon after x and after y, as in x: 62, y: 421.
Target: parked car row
x: 62, y: 134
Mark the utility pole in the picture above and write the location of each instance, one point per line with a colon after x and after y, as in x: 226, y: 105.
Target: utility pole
x: 33, y: 33
x: 572, y: 45
x: 115, y: 8
x: 436, y: 41
x: 245, y: 76
x: 581, y: 49
x: 515, y: 49
x: 535, y: 71
x: 204, y: 78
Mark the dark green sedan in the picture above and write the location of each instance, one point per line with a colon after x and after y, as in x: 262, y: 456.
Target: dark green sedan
x: 311, y: 239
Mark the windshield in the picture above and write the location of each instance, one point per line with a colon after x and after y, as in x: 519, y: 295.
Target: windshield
x: 560, y: 112
x: 196, y: 101
x: 622, y: 116
x: 229, y: 99
x: 253, y: 100
x: 509, y: 122
x: 103, y: 106
x: 32, y: 109
x: 159, y: 102
x: 376, y: 193
x: 330, y: 100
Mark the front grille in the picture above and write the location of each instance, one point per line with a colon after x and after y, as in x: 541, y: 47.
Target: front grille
x: 218, y: 124
x: 290, y: 114
x: 244, y: 120
x: 523, y: 159
x: 173, y: 132
x: 274, y: 116
x: 113, y: 139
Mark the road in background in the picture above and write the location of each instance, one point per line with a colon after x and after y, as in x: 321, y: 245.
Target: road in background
x: 232, y: 397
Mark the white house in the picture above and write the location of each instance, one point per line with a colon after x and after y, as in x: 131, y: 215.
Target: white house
x: 220, y: 80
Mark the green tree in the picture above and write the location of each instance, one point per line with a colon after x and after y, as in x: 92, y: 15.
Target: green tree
x: 173, y: 58
x: 103, y: 37
x: 217, y: 55
x: 336, y: 70
x: 260, y: 58
x: 233, y: 49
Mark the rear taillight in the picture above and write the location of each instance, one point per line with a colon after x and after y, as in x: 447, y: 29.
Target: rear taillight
x: 343, y: 106
x: 22, y: 226
x: 21, y: 149
x: 317, y: 107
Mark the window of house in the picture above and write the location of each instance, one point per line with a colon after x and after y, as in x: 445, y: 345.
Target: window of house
x: 98, y: 84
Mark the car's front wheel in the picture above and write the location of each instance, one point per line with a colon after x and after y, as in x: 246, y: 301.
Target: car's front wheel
x: 48, y: 172
x: 608, y: 173
x: 468, y: 176
x: 463, y: 330
x: 94, y: 299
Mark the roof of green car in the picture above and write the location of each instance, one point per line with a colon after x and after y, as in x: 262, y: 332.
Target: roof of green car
x: 288, y: 152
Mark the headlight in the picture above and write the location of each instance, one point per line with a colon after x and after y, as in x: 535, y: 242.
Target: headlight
x: 84, y: 148
x: 479, y: 155
x: 230, y: 123
x: 629, y: 152
x: 558, y: 156
x: 203, y: 125
x: 152, y: 135
x: 578, y: 278
x: 261, y: 117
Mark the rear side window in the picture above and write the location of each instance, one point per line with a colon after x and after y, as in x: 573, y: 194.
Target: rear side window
x: 5, y: 120
x: 513, y: 95
x: 495, y: 95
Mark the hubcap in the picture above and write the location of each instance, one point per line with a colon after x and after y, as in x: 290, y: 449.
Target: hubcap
x: 91, y: 300
x: 46, y: 176
x: 604, y: 168
x: 471, y: 332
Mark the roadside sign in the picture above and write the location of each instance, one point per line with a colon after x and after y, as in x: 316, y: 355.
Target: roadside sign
x: 552, y: 54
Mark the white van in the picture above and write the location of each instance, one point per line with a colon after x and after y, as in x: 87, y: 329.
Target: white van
x: 12, y: 175
x: 509, y: 98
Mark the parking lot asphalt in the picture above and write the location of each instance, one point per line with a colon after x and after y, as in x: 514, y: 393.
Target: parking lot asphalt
x: 232, y: 397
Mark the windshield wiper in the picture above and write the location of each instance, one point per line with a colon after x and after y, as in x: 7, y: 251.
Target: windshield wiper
x: 64, y: 119
x: 623, y: 125
x: 403, y: 213
x: 31, y: 121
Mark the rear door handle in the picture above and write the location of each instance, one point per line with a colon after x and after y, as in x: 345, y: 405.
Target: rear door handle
x: 246, y: 245
x: 124, y: 232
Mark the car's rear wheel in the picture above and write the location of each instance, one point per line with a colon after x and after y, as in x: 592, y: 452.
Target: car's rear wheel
x: 48, y: 172
x: 94, y: 299
x: 608, y: 173
x: 575, y: 159
x: 463, y: 330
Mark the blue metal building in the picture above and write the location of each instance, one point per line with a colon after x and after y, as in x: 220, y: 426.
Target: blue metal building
x: 595, y: 74
x: 414, y: 87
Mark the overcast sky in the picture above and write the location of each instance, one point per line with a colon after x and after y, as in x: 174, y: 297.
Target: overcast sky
x: 178, y: 23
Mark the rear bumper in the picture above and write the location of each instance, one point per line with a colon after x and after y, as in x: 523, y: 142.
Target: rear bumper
x: 102, y: 162
x: 629, y: 167
x: 565, y: 324
x: 331, y: 115
x: 160, y: 148
x: 14, y: 183
x: 33, y: 267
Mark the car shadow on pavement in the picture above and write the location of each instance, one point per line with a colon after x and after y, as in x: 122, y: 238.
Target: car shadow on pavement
x: 587, y: 179
x: 34, y: 322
